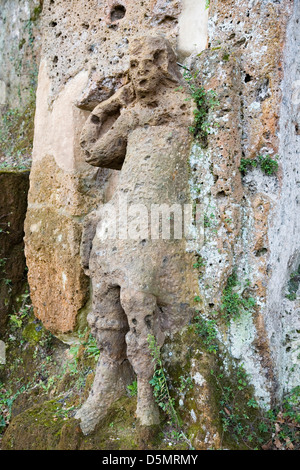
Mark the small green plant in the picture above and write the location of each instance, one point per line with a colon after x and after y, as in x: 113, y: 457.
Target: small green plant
x: 291, y: 296
x: 246, y: 164
x: 174, y: 437
x: 7, y: 398
x: 15, y: 321
x: 17, y: 318
x: 293, y: 285
x: 205, y: 101
x: 6, y: 402
x: 207, y: 4
x: 161, y: 390
x: 268, y: 165
x: 159, y: 383
x: 252, y: 403
x: 200, y: 263
x: 206, y: 221
x: 185, y: 384
x: 86, y: 348
x: 206, y: 330
x: 233, y: 304
x: 91, y: 348
x: 133, y: 389
x: 73, y: 364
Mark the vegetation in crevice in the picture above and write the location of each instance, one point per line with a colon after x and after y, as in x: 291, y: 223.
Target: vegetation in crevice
x: 293, y: 284
x: 205, y: 101
x: 159, y: 383
x: 233, y: 304
x: 161, y: 391
x: 269, y: 166
x: 244, y: 424
x: 207, y: 331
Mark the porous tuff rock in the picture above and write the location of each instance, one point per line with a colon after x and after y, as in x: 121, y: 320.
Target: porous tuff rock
x: 141, y: 286
x: 244, y: 66
x: 20, y: 44
x: 53, y: 230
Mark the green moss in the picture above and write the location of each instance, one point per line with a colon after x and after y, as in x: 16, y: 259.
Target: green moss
x: 230, y: 404
x: 36, y: 13
x: 38, y: 428
x: 32, y: 333
x: 188, y: 353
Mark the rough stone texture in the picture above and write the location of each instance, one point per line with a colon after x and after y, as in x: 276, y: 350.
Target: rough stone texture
x: 20, y: 42
x: 283, y: 314
x: 192, y: 27
x: 53, y: 234
x: 13, y: 204
x: 244, y: 65
x: 141, y: 286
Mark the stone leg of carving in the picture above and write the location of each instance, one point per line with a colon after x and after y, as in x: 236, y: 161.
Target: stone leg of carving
x: 114, y: 372
x: 140, y: 309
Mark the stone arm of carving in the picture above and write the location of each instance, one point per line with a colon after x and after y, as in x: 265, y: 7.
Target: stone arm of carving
x: 104, y: 136
x: 88, y: 234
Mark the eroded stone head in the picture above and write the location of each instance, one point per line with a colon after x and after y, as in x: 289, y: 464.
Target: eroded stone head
x: 152, y: 60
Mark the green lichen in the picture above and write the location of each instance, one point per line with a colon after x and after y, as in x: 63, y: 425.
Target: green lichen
x: 32, y: 333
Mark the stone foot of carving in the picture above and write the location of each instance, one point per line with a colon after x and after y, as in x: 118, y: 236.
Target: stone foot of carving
x: 147, y: 411
x: 109, y: 385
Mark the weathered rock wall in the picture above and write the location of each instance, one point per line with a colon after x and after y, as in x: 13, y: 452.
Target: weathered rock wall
x: 20, y: 41
x: 13, y: 204
x: 251, y: 64
x: 282, y: 305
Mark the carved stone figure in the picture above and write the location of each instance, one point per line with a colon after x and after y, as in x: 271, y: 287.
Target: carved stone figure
x: 141, y: 285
